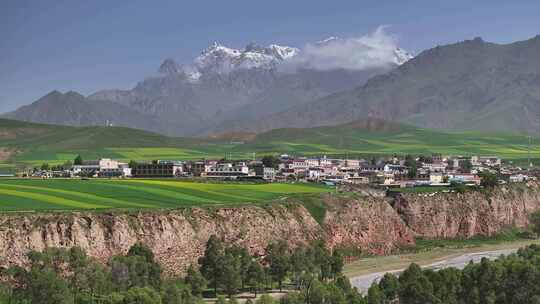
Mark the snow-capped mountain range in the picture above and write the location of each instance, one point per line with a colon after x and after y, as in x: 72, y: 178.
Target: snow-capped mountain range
x: 225, y: 84
x: 220, y: 59
x: 471, y: 85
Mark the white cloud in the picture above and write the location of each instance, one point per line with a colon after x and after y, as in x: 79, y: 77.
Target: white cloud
x: 374, y: 50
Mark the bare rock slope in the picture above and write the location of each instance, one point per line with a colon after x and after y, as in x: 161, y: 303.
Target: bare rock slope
x: 451, y: 215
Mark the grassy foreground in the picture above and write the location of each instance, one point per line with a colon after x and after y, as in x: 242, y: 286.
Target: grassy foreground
x: 72, y: 194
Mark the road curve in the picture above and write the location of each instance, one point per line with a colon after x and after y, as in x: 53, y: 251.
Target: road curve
x: 363, y: 282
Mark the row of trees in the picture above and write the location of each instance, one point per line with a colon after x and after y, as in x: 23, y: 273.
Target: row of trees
x: 512, y: 279
x: 232, y: 268
x: 311, y: 274
x: 68, y: 276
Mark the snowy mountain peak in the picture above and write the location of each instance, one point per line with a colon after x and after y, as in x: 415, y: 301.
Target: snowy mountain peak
x: 402, y: 56
x: 282, y: 52
x: 220, y: 59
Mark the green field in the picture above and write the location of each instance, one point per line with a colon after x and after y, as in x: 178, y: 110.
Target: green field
x: 28, y: 144
x: 72, y: 194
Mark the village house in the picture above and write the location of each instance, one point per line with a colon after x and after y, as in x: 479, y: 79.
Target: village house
x: 158, y: 169
x: 104, y: 167
x: 464, y: 178
x: 200, y: 168
x: 489, y: 161
x: 436, y: 177
x: 371, y: 168
x: 266, y: 173
x: 229, y: 170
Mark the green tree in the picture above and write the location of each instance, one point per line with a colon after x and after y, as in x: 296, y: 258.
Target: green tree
x: 88, y: 277
x: 5, y: 293
x: 211, y: 266
x: 231, y: 277
x: 270, y: 161
x: 534, y: 219
x: 415, y: 287
x: 78, y: 160
x: 255, y: 276
x: 375, y: 295
x: 489, y: 180
x: 171, y: 293
x: 42, y: 285
x: 137, y: 269
x: 244, y: 258
x: 465, y: 165
x: 301, y: 263
x: 277, y: 257
x: 195, y: 280
x: 389, y: 286
x: 317, y: 293
x: 132, y: 164
x: 138, y: 249
x: 334, y: 295
x: 142, y: 295
x: 336, y: 264
x: 446, y: 284
x: 410, y: 163
x: 321, y: 259
x: 45, y: 167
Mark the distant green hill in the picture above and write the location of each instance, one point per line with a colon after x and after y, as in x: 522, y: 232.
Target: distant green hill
x: 23, y: 143
x: 30, y: 143
x: 373, y: 136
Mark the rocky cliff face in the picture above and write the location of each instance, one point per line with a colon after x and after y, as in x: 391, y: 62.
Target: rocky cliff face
x: 451, y: 215
x: 177, y: 238
x: 372, y: 224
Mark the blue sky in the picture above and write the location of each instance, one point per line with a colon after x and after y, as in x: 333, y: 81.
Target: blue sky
x: 100, y: 44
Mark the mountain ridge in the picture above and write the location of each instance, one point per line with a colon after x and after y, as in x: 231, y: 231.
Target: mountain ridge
x: 469, y: 85
x: 220, y: 84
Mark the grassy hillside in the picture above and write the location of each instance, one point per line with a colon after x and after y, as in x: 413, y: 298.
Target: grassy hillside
x: 29, y: 143
x: 24, y: 143
x: 70, y: 194
x: 377, y: 137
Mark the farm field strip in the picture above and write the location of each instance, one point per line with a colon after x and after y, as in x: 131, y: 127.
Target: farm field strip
x: 55, y: 200
x: 77, y: 195
x: 198, y: 194
x: 66, y: 194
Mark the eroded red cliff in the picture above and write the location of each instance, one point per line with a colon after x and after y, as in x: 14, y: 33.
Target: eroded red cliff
x: 452, y: 215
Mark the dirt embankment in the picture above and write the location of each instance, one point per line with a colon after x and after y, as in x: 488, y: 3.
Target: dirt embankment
x: 451, y: 215
x: 371, y: 224
x: 177, y: 238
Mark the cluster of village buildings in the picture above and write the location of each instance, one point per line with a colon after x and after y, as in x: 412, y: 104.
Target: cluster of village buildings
x: 396, y: 171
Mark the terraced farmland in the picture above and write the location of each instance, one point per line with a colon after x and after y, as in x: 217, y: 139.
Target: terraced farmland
x: 66, y: 194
